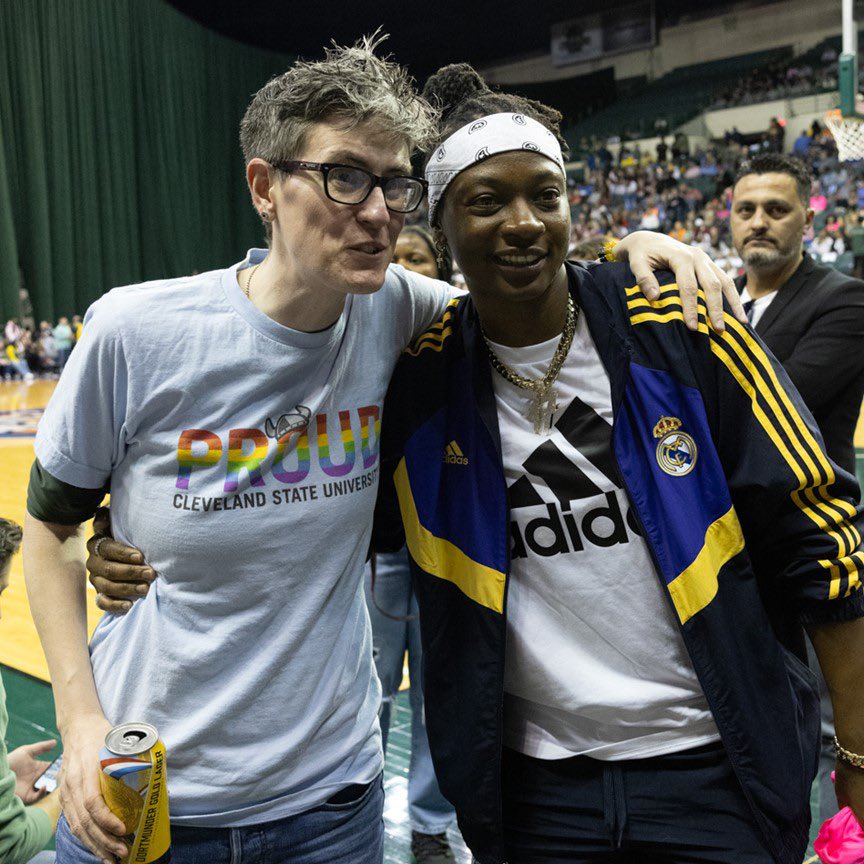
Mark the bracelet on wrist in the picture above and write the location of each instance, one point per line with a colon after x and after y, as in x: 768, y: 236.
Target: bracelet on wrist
x: 856, y: 760
x: 607, y: 253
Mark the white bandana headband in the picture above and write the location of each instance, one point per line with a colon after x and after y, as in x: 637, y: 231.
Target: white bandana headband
x: 480, y: 139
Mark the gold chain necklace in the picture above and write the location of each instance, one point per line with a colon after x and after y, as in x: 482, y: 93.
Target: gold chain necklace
x: 249, y: 281
x: 544, y: 403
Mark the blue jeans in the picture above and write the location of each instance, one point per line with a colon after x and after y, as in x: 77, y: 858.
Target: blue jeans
x: 682, y: 808
x: 428, y: 810
x: 348, y: 833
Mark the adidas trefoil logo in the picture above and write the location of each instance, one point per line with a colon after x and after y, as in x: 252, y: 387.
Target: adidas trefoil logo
x: 454, y: 456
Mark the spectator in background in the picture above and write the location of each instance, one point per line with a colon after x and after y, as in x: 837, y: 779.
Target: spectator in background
x: 812, y: 319
x: 64, y: 339
x: 802, y: 144
x: 12, y: 331
x: 680, y: 233
x: 49, y: 346
x: 78, y: 325
x: 28, y: 816
x: 32, y: 352
x: 827, y: 246
x: 680, y: 146
x: 818, y: 202
x: 18, y: 363
x: 855, y: 234
x: 776, y: 136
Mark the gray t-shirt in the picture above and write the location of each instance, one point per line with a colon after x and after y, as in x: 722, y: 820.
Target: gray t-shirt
x: 243, y: 459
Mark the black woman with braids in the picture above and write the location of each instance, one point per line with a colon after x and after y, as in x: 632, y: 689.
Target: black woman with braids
x: 618, y: 529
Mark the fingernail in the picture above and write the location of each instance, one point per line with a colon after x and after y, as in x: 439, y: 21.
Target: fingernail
x: 125, y: 605
x: 150, y: 573
x: 138, y: 558
x: 141, y: 589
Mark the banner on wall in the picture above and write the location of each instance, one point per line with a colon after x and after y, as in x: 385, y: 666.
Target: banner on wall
x: 629, y: 28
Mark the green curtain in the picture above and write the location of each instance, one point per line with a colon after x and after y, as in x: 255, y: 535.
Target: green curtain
x: 119, y: 154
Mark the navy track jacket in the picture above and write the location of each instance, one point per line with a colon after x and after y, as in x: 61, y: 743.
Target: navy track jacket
x: 752, y: 530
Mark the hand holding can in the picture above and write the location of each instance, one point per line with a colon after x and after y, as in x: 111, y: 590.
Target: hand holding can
x: 84, y: 809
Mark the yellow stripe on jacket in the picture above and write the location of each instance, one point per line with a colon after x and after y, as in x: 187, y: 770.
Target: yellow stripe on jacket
x: 439, y: 557
x: 696, y: 587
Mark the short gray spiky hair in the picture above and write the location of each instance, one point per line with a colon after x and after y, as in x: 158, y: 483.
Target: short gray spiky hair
x: 351, y: 84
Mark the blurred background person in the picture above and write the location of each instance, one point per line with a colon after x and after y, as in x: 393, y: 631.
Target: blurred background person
x: 64, y: 339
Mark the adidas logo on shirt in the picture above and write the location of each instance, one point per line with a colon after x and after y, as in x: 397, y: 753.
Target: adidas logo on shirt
x: 454, y: 456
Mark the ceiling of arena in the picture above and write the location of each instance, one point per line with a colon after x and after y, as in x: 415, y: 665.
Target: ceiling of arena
x: 423, y: 35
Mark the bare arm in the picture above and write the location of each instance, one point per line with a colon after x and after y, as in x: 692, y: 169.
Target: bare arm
x: 54, y: 571
x: 840, y: 649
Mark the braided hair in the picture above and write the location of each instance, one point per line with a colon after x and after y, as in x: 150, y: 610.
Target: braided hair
x: 461, y: 95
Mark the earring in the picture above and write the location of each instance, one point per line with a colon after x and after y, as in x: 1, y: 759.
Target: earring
x: 265, y: 216
x: 440, y: 251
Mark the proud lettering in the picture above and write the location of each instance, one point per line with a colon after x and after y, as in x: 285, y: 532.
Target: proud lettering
x: 248, y: 457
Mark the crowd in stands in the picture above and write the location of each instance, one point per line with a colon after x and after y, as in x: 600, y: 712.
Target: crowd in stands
x: 29, y: 352
x: 687, y: 195
x: 783, y: 79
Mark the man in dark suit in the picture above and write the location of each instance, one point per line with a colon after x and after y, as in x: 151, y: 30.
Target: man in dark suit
x: 810, y: 316
x: 812, y: 319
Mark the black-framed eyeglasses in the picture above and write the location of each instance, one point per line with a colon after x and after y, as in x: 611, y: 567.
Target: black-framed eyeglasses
x: 347, y: 184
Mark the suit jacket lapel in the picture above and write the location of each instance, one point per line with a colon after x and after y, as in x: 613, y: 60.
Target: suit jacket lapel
x: 785, y: 295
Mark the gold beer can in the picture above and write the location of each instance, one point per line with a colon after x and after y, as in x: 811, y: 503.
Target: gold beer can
x: 134, y: 783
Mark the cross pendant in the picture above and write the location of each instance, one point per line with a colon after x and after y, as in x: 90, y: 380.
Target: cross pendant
x: 542, y: 410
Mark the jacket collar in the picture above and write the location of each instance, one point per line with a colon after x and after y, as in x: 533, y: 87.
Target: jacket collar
x: 785, y: 293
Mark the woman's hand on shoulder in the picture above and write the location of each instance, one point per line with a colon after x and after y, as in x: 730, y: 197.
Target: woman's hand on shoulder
x: 647, y: 251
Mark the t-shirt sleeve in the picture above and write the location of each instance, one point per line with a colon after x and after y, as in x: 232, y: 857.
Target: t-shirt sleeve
x: 52, y: 500
x: 81, y: 436
x: 427, y: 299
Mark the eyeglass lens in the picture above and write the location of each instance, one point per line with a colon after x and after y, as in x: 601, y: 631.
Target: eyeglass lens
x: 352, y: 185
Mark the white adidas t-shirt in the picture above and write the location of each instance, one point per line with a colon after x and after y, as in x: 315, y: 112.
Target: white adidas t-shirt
x: 595, y: 663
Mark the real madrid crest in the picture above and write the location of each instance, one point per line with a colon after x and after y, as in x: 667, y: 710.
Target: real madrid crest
x: 676, y: 450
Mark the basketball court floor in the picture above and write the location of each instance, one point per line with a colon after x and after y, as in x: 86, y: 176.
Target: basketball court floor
x: 31, y: 710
